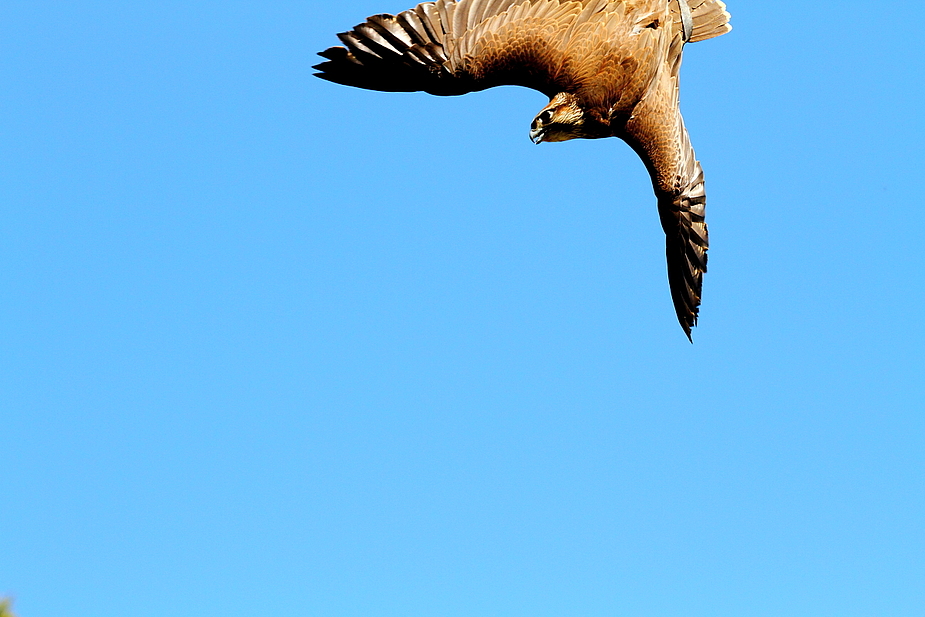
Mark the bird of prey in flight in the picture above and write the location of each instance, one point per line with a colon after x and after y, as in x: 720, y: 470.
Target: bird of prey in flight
x: 609, y: 67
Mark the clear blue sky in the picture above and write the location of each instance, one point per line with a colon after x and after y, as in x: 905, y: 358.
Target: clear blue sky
x: 278, y: 347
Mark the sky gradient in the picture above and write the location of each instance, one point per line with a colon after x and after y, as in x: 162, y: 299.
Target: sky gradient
x: 276, y: 346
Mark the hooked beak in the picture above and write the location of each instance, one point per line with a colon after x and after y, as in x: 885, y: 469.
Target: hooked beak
x: 536, y: 136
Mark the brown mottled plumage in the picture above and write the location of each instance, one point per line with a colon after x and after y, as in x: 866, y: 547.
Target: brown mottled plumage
x: 609, y: 67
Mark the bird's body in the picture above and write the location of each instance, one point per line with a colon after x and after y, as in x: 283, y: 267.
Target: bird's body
x: 609, y: 67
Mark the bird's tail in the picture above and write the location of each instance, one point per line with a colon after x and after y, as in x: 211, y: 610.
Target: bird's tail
x: 710, y: 19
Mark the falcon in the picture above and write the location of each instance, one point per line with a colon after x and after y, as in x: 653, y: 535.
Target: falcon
x: 609, y: 67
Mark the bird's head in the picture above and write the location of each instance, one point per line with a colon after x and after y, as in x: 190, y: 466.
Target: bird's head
x: 561, y: 120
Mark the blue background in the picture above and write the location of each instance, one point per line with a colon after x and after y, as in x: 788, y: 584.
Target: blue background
x: 280, y: 347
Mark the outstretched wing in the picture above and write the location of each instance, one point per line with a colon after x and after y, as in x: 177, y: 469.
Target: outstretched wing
x: 449, y: 48
x: 657, y: 133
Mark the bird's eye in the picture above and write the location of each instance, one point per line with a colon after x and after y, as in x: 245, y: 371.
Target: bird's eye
x: 546, y: 117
